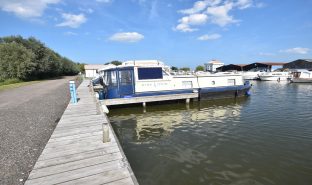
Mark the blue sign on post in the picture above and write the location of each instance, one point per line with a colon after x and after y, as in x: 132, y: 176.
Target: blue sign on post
x: 73, y: 93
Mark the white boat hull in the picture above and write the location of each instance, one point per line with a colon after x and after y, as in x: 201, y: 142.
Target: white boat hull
x: 274, y: 78
x: 301, y: 80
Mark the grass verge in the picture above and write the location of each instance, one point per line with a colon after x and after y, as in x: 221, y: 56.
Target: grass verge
x: 15, y: 83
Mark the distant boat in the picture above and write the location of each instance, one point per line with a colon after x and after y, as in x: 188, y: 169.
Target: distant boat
x: 275, y: 76
x: 252, y: 75
x: 301, y: 76
x: 152, y: 78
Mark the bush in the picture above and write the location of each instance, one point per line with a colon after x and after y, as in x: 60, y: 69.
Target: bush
x: 27, y: 59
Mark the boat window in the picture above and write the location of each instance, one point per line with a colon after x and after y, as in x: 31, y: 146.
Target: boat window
x: 213, y: 83
x: 150, y: 73
x: 231, y: 82
x: 125, y: 77
x: 111, y: 78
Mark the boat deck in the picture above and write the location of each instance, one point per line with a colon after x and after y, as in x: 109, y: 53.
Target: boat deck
x: 76, y: 154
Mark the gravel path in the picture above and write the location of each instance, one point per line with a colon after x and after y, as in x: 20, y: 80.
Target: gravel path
x: 28, y: 116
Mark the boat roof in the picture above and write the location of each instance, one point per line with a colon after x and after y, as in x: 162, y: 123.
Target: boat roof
x: 141, y: 63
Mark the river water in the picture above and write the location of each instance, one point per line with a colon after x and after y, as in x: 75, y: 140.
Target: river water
x: 264, y: 139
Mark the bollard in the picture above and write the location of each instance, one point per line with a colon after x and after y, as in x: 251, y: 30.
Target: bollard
x: 73, y: 93
x: 105, y: 133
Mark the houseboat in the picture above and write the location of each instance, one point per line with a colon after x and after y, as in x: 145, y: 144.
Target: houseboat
x: 275, y: 76
x: 152, y: 78
x: 301, y: 76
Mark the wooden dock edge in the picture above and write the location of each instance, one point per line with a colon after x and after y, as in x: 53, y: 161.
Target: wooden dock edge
x: 145, y: 99
x: 101, y: 112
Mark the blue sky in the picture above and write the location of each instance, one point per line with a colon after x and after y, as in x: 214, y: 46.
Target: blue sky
x: 178, y: 32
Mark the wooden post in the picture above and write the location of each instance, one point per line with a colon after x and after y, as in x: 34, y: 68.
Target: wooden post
x: 187, y: 100
x: 105, y: 133
x: 144, y: 104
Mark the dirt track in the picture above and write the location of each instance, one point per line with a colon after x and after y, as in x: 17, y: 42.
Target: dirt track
x: 28, y: 116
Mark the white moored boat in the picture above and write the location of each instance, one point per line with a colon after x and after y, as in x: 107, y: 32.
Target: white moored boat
x: 301, y: 76
x: 275, y: 76
x: 251, y: 75
x: 151, y: 78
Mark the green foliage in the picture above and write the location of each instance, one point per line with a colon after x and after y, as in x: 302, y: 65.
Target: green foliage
x: 28, y: 59
x: 173, y: 68
x: 115, y: 62
x: 81, y: 67
x: 16, y: 61
x: 200, y: 68
x: 185, y: 69
x: 10, y: 81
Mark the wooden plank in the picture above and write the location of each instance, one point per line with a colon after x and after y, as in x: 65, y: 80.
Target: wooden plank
x: 74, y: 157
x: 76, y: 154
x: 75, y: 174
x: 102, y: 178
x: 126, y: 181
x: 51, y: 170
x: 61, y: 139
x: 51, y: 153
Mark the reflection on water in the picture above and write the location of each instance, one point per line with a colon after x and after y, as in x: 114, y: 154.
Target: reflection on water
x: 264, y: 139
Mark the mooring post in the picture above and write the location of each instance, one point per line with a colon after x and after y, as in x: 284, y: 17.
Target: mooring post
x: 105, y: 133
x: 73, y: 93
x: 144, y: 104
x: 187, y: 100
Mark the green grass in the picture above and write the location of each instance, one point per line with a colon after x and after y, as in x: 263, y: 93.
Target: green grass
x: 14, y: 83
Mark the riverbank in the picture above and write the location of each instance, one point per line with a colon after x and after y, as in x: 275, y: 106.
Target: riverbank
x: 14, y: 84
x: 29, y: 115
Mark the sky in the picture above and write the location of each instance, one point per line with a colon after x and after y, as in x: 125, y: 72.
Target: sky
x: 182, y: 33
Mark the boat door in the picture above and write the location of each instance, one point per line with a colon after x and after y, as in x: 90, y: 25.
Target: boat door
x: 125, y: 82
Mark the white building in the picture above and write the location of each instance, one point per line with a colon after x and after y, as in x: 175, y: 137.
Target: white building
x: 213, y: 65
x: 92, y: 70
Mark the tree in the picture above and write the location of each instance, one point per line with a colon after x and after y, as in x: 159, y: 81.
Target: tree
x: 185, y: 69
x: 31, y: 59
x: 173, y: 68
x: 16, y: 61
x: 81, y: 67
x: 116, y: 62
x: 200, y: 68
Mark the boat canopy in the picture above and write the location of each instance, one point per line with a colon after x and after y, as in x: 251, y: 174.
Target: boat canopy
x: 230, y: 67
x: 256, y: 66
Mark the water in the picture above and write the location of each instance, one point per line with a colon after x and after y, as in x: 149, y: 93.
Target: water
x: 264, y: 139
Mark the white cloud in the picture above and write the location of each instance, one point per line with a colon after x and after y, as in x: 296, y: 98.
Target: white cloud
x: 191, y: 20
x: 297, y: 50
x: 26, y: 8
x: 209, y: 37
x: 127, y: 37
x: 72, y: 20
x: 243, y: 4
x: 220, y: 14
x: 199, y: 6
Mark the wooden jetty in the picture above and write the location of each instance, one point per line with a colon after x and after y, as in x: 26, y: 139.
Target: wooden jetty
x: 76, y: 154
x: 145, y: 99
